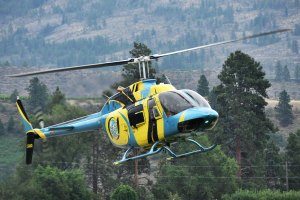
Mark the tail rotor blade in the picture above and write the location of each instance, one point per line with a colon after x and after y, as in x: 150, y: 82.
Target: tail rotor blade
x: 29, y: 147
x: 38, y: 113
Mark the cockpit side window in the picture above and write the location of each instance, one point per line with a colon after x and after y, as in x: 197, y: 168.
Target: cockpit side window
x: 173, y: 103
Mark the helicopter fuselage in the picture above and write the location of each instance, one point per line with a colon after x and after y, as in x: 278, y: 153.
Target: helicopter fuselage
x: 140, y: 115
x: 145, y: 112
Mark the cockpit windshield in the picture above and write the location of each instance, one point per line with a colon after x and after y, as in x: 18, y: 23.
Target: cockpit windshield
x: 201, y: 102
x: 174, y: 102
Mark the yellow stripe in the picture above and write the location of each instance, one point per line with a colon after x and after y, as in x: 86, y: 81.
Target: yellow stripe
x: 181, y: 119
x: 40, y: 133
x: 22, y: 114
x: 29, y: 146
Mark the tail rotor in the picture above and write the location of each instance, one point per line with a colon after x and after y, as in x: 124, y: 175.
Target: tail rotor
x: 31, y: 133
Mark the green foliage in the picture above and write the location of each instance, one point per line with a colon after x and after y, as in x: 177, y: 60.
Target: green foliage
x: 286, y: 74
x: 124, y: 192
x: 293, y: 156
x: 12, y: 149
x: 2, y: 129
x: 5, y: 64
x: 13, y: 96
x: 203, y: 88
x: 262, y: 195
x: 297, y: 73
x: 57, y: 98
x: 284, y: 110
x: 294, y: 47
x: 278, y: 72
x: 274, y: 171
x: 130, y: 72
x: 38, y: 94
x: 203, y: 176
x: 65, y: 150
x: 297, y: 29
x: 48, y: 183
x: 11, y: 125
x: 243, y: 125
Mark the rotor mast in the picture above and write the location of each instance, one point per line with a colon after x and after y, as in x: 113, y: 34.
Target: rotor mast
x: 143, y: 63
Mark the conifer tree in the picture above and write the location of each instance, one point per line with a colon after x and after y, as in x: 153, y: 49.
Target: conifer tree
x: 130, y: 72
x: 278, y: 72
x: 203, y: 88
x: 2, y: 129
x: 57, y: 98
x: 295, y: 47
x: 293, y: 156
x: 11, y: 125
x: 38, y: 93
x: 297, y: 73
x: 286, y: 74
x: 243, y: 125
x: 284, y: 109
x: 13, y: 96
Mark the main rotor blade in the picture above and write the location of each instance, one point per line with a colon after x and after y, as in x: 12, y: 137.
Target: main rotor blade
x: 143, y: 58
x: 155, y: 56
x: 90, y: 66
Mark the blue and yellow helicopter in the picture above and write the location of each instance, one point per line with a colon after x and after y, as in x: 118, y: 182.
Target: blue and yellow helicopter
x: 144, y: 115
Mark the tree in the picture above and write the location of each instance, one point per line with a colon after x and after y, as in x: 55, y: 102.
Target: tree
x: 278, y: 72
x: 293, y: 156
x: 274, y: 171
x: 198, y: 176
x: 124, y: 192
x: 243, y: 125
x: 262, y: 194
x: 286, y: 74
x: 53, y: 183
x: 11, y: 125
x: 38, y: 93
x: 297, y: 73
x: 203, y: 88
x: 130, y: 72
x: 2, y: 129
x: 297, y: 29
x: 57, y: 98
x: 13, y: 96
x: 283, y: 109
x: 295, y: 47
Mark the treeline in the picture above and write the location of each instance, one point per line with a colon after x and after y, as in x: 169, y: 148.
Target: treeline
x: 282, y: 73
x: 209, y: 16
x: 35, y: 51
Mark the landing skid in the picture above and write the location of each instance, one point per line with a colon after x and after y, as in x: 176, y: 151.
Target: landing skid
x: 158, y: 146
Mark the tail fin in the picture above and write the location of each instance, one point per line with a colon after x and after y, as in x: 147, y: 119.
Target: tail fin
x: 30, y: 132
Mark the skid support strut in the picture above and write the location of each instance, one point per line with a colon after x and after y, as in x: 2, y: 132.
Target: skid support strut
x: 158, y: 146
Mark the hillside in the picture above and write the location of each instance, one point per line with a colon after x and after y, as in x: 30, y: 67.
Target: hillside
x: 58, y: 33
x: 49, y: 33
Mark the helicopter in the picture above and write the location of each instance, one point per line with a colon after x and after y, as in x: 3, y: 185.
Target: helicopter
x: 145, y: 115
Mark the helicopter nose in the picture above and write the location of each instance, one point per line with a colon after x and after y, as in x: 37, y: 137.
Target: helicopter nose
x: 197, y: 118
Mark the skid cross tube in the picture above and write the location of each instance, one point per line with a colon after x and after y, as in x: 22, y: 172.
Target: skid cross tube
x: 201, y: 149
x: 152, y: 151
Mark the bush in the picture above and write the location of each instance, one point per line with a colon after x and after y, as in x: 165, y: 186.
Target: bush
x: 262, y: 195
x: 124, y: 192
